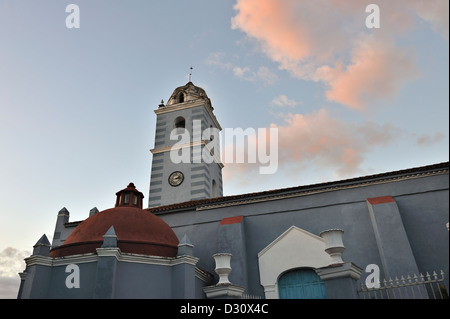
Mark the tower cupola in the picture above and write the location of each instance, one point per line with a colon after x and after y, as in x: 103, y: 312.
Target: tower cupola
x: 189, y: 93
x: 129, y: 196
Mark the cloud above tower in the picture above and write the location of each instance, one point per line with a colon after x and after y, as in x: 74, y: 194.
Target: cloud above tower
x: 327, y: 41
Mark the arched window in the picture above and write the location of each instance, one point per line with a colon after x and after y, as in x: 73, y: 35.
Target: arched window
x: 181, y: 97
x: 180, y: 122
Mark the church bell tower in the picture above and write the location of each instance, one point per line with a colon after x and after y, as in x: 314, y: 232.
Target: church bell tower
x: 186, y: 160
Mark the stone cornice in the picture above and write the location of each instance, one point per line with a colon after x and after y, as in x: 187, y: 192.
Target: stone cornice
x: 224, y: 291
x: 311, y: 192
x: 110, y: 252
x: 38, y: 260
x: 340, y: 271
x: 187, y: 105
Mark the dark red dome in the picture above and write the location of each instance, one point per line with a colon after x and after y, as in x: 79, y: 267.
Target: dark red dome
x: 138, y: 231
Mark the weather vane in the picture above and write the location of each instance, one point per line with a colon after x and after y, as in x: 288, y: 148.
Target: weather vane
x: 190, y: 75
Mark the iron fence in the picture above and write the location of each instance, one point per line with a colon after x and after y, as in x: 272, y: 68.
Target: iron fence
x: 412, y: 287
x: 249, y: 296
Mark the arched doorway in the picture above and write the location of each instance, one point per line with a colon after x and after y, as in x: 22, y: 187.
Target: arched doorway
x: 301, y: 283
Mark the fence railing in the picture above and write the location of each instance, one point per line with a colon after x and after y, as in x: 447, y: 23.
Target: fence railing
x: 416, y: 287
x: 249, y: 296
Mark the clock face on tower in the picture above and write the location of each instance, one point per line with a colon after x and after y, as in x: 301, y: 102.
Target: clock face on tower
x: 176, y: 178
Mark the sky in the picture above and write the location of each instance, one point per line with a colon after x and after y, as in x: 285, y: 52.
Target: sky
x: 77, y: 105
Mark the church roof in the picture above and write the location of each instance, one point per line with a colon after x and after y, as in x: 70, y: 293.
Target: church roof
x: 327, y: 186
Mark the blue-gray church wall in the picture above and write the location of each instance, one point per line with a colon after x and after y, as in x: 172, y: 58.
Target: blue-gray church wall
x: 135, y: 280
x: 422, y: 204
x: 38, y: 277
x: 424, y: 218
x: 129, y: 280
x: 57, y: 286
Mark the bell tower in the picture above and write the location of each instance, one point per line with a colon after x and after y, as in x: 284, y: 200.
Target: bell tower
x: 186, y: 160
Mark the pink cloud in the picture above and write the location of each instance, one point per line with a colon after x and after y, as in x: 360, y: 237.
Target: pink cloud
x: 426, y: 140
x: 378, y: 70
x: 329, y: 142
x: 271, y: 23
x: 327, y: 41
x: 322, y: 141
x: 434, y: 12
